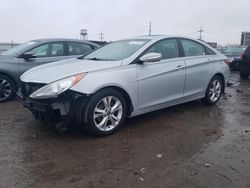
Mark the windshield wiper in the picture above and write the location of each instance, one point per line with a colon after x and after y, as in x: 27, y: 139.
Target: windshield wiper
x: 95, y: 59
x: 98, y: 59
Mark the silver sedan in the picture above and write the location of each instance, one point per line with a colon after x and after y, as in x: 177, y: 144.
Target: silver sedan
x: 125, y: 79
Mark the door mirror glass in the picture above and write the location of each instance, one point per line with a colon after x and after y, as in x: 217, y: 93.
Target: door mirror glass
x: 151, y: 57
x: 27, y: 55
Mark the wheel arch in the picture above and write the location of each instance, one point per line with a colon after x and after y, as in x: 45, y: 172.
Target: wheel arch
x: 124, y: 93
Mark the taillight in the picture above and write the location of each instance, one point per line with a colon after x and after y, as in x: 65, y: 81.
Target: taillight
x: 227, y: 61
x: 241, y: 57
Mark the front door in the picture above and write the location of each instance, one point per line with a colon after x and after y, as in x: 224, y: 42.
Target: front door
x: 45, y: 53
x: 163, y: 81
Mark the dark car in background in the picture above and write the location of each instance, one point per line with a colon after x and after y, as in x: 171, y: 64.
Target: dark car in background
x: 245, y: 64
x: 14, y: 62
x: 234, y: 53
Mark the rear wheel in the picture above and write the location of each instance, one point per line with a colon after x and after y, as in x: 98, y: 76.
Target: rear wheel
x: 7, y: 88
x: 105, y: 112
x: 214, y: 91
x: 244, y: 76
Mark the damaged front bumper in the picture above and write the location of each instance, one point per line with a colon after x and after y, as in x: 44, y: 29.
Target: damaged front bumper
x: 66, y: 107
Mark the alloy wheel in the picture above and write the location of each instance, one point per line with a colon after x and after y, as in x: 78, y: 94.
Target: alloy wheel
x: 215, y: 90
x: 108, y: 113
x: 5, y: 89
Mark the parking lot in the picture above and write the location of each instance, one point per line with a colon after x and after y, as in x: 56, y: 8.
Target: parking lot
x: 190, y: 145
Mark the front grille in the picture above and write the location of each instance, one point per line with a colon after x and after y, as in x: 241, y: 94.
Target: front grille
x: 29, y: 88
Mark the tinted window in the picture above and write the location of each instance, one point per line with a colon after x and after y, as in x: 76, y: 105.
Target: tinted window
x: 192, y: 48
x: 41, y: 51
x: 209, y: 51
x: 168, y: 48
x: 76, y: 48
x: 56, y: 49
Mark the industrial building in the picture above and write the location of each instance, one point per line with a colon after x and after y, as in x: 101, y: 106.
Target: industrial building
x: 245, y: 39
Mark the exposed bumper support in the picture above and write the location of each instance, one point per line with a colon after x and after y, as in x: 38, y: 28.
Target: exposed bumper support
x: 68, y: 106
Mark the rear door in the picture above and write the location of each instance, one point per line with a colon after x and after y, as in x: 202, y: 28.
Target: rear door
x: 45, y: 53
x: 162, y: 81
x: 199, y: 66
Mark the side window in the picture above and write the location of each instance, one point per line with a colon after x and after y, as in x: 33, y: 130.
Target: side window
x: 168, y: 48
x: 192, y: 48
x: 209, y: 51
x: 57, y: 49
x: 77, y: 48
x: 40, y: 51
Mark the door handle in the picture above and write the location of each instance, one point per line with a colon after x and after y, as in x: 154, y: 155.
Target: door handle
x: 209, y: 60
x: 179, y: 67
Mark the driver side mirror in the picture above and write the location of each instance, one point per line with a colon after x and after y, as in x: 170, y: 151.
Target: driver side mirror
x: 151, y: 57
x: 27, y: 55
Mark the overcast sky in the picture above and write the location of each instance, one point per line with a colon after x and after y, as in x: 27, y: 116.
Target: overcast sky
x: 222, y: 20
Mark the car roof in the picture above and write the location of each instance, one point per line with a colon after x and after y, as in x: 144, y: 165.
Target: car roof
x: 150, y: 37
x: 64, y: 39
x: 159, y: 37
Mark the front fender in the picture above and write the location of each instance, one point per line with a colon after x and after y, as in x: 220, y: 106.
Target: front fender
x: 124, y: 77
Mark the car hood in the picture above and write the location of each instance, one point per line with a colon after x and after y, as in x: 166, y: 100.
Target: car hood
x: 55, y: 71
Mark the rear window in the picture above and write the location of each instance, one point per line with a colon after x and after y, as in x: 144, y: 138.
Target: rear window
x: 209, y: 51
x: 192, y: 48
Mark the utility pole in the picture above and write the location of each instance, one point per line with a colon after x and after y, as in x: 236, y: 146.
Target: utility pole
x: 150, y: 29
x: 101, y: 36
x: 201, y: 31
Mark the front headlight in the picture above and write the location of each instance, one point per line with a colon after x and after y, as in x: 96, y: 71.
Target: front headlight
x: 54, y: 89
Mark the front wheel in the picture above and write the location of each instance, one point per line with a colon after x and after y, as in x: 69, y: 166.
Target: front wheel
x: 214, y: 91
x: 7, y: 88
x: 105, y: 112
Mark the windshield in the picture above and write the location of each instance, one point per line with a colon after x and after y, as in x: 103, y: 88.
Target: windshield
x: 235, y: 50
x: 15, y: 50
x: 117, y: 51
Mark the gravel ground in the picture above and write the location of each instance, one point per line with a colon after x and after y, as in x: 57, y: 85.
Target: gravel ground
x: 189, y: 145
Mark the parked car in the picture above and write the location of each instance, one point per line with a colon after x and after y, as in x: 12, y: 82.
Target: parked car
x: 221, y: 50
x: 234, y: 53
x: 245, y: 64
x: 14, y: 62
x: 125, y: 79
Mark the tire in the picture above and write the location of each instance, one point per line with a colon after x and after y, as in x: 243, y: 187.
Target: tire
x: 214, y: 91
x: 99, y: 118
x: 244, y: 76
x: 7, y: 88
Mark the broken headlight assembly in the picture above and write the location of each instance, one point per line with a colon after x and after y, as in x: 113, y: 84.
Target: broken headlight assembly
x: 54, y: 89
